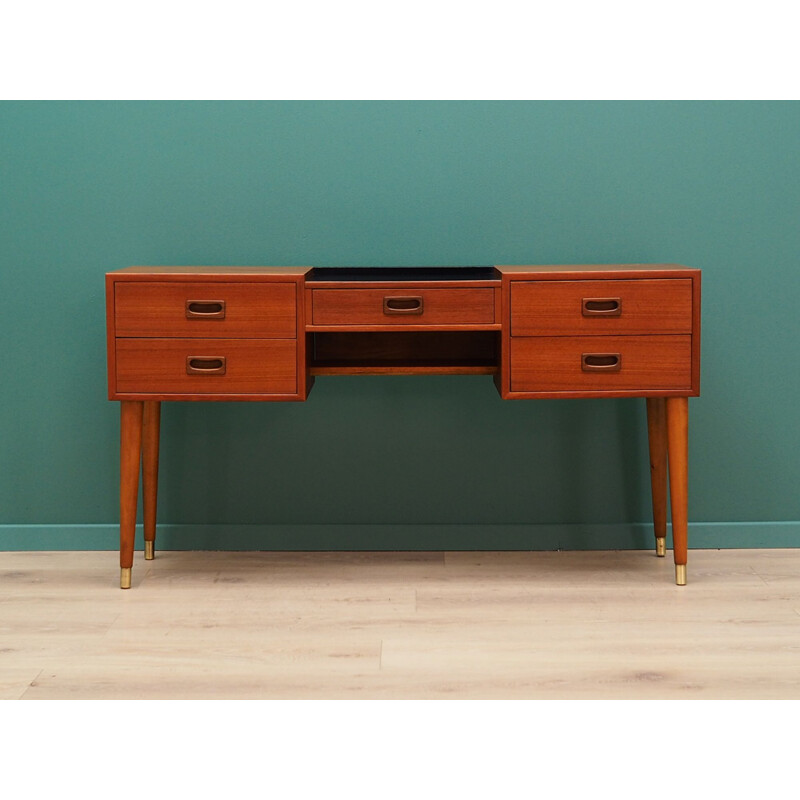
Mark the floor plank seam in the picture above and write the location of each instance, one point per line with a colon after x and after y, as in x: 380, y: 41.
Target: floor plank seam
x: 32, y: 684
x: 760, y: 576
x: 111, y: 626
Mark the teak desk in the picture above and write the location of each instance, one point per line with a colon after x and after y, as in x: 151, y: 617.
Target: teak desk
x: 264, y: 333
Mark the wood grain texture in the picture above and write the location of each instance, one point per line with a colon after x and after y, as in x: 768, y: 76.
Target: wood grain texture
x: 657, y: 444
x: 111, y: 340
x: 696, y: 327
x: 553, y: 363
x: 252, y: 365
x: 555, y: 308
x: 480, y: 625
x: 151, y: 429
x: 184, y: 273
x: 600, y: 271
x: 502, y: 380
x: 678, y: 448
x: 131, y: 418
x: 393, y: 368
x: 365, y: 307
x: 252, y: 310
x: 305, y: 380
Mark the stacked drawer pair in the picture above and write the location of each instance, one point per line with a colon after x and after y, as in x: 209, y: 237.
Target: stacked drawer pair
x: 601, y: 336
x: 213, y: 339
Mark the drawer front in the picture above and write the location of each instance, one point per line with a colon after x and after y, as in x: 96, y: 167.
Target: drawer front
x: 406, y: 306
x: 586, y: 308
x: 609, y: 363
x: 206, y: 366
x: 253, y: 310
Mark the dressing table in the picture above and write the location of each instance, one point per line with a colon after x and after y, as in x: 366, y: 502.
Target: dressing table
x: 265, y: 333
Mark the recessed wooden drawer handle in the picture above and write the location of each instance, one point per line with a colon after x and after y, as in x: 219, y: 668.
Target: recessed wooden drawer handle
x: 601, y: 362
x: 601, y: 306
x: 205, y: 309
x: 205, y: 365
x: 402, y: 305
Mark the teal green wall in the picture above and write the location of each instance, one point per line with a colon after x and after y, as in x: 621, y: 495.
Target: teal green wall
x: 398, y: 462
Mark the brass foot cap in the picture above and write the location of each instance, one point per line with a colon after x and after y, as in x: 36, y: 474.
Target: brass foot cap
x: 661, y: 547
x: 149, y: 551
x: 125, y: 578
x: 680, y: 574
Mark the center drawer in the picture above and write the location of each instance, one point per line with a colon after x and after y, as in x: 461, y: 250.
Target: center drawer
x: 410, y: 305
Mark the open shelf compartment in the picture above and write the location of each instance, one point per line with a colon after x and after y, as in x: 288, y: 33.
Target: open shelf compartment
x: 404, y: 353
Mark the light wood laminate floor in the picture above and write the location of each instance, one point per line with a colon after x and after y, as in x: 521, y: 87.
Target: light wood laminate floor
x: 543, y: 625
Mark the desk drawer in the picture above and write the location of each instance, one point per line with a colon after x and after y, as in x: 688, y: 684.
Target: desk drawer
x: 410, y: 305
x: 206, y: 366
x: 608, y: 363
x: 252, y: 310
x: 587, y: 308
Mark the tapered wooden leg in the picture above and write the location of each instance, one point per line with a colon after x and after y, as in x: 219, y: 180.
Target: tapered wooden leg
x: 150, y: 437
x: 657, y: 437
x: 131, y: 414
x: 678, y: 445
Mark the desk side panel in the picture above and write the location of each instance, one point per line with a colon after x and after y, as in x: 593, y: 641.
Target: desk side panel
x: 696, y: 285
x: 111, y: 334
